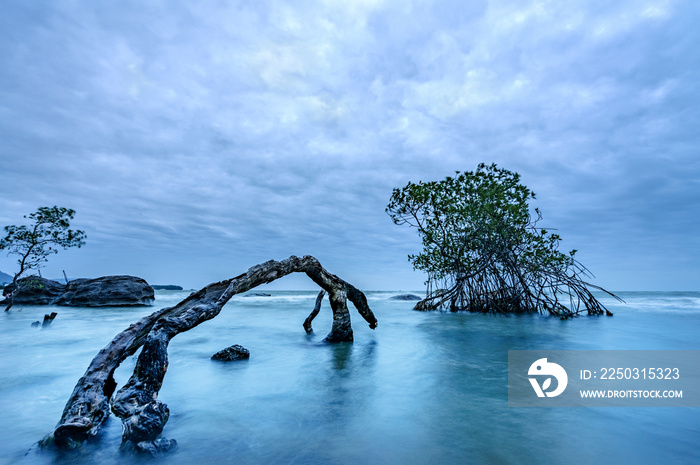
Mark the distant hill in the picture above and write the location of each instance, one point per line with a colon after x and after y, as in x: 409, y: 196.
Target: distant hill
x: 5, y: 278
x: 166, y: 287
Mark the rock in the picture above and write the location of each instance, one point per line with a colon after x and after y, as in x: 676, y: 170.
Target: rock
x: 405, y: 297
x: 36, y: 291
x: 156, y: 448
x: 229, y: 354
x: 117, y: 291
x: 258, y: 294
x: 107, y: 291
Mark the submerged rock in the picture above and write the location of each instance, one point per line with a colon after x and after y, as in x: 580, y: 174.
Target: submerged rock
x: 405, y: 297
x: 229, y: 354
x: 107, y: 291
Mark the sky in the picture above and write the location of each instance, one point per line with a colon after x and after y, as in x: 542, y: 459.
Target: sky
x: 197, y: 139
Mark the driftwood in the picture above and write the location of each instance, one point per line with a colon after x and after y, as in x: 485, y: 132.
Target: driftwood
x: 136, y: 403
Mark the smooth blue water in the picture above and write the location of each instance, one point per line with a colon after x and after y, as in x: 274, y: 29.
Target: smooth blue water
x: 424, y: 388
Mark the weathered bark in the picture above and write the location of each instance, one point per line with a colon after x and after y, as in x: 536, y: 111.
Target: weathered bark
x: 88, y: 406
x: 142, y: 414
x: 48, y: 318
x: 314, y: 312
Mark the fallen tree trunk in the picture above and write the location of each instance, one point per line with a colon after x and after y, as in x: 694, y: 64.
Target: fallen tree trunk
x: 143, y: 415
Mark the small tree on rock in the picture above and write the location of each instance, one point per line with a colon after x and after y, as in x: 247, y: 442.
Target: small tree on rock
x: 483, y: 251
x: 49, y: 230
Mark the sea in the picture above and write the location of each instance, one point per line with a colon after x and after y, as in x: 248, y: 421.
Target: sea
x: 422, y: 388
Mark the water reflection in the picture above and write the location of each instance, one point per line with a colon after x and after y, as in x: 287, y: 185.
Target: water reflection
x: 341, y: 355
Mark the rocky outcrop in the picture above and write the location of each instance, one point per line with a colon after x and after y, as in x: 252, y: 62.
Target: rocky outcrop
x: 107, y: 291
x: 36, y: 291
x: 229, y: 354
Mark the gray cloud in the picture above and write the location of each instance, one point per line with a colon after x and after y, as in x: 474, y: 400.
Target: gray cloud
x: 197, y: 139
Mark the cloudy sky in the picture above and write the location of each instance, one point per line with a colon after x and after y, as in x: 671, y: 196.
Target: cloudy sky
x: 196, y: 139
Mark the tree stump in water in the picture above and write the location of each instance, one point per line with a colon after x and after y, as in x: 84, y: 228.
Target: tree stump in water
x: 143, y: 415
